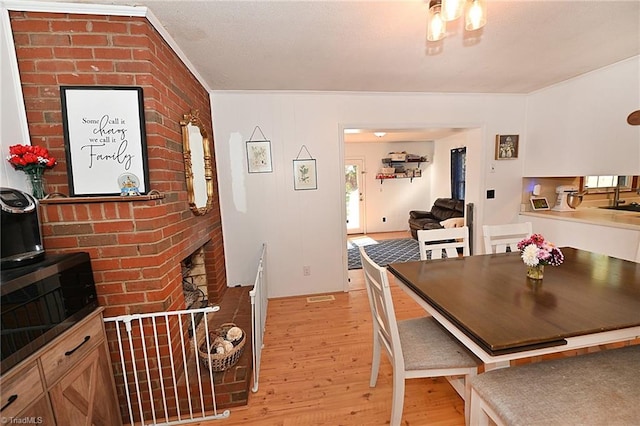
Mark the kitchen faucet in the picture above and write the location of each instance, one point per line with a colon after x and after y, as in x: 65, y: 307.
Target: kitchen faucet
x: 616, y: 195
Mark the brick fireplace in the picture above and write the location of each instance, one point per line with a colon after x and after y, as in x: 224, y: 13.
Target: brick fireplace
x: 194, y: 280
x: 136, y: 244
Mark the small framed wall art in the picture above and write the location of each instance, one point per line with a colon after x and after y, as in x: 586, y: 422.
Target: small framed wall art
x: 507, y: 147
x: 259, y: 156
x: 259, y: 153
x: 304, y: 174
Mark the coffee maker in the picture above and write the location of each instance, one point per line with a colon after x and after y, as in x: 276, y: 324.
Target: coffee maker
x: 20, y: 227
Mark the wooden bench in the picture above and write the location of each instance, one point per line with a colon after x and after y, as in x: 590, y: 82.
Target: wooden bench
x: 601, y: 388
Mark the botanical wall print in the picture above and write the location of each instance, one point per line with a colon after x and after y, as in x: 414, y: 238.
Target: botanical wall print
x: 506, y: 147
x: 304, y: 174
x: 259, y: 156
x: 104, y: 137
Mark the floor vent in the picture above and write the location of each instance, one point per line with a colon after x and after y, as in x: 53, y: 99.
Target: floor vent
x: 325, y: 298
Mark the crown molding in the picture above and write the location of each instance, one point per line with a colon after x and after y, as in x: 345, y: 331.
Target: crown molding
x: 83, y: 8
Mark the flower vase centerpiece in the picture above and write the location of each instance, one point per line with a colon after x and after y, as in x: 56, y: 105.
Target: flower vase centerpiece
x: 33, y: 160
x: 536, y: 253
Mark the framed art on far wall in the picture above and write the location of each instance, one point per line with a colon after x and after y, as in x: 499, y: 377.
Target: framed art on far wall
x: 104, y: 138
x: 259, y: 156
x: 304, y: 175
x: 507, y: 147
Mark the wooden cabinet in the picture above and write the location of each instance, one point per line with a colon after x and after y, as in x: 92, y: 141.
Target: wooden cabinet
x: 20, y: 389
x: 81, y: 397
x: 67, y: 382
x: 38, y: 413
x: 65, y: 352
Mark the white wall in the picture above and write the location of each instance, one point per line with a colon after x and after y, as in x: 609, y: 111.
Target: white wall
x: 306, y: 228
x: 13, y: 125
x: 393, y: 198
x: 579, y: 127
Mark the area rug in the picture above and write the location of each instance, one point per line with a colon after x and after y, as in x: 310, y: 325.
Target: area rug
x: 385, y: 252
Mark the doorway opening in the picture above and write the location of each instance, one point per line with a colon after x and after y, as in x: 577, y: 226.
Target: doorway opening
x: 388, y: 202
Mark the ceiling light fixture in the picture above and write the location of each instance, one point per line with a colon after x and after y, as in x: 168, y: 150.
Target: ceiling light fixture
x: 379, y: 134
x: 443, y: 11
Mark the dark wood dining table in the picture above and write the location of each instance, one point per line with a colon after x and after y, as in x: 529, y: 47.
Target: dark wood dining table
x: 489, y: 304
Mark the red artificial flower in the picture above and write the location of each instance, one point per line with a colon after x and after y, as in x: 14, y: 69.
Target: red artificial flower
x: 30, y: 158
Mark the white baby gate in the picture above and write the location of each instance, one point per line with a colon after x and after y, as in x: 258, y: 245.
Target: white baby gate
x: 258, y: 315
x: 164, y: 382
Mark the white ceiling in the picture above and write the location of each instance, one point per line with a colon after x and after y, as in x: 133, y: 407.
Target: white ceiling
x: 380, y: 46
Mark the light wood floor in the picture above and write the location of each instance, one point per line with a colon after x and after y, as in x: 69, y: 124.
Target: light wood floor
x: 316, y: 365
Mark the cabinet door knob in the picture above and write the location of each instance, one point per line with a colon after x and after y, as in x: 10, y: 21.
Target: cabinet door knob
x: 86, y: 339
x: 10, y: 401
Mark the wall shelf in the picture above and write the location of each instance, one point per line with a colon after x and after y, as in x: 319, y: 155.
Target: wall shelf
x: 392, y: 163
x: 57, y: 199
x: 383, y: 178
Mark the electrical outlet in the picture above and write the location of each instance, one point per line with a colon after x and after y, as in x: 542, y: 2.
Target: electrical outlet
x: 491, y: 193
x: 306, y: 270
x: 384, y: 219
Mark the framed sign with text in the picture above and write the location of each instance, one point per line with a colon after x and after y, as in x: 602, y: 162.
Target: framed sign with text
x: 104, y: 137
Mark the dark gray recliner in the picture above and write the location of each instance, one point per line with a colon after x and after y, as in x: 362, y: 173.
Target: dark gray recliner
x: 443, y: 209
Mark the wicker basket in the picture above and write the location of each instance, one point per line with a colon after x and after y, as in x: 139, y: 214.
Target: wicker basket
x: 219, y: 362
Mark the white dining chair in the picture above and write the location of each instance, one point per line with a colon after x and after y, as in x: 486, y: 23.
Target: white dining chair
x: 447, y: 240
x: 416, y: 348
x: 499, y: 238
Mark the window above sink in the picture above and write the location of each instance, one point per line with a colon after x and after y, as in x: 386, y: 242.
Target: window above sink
x: 607, y: 183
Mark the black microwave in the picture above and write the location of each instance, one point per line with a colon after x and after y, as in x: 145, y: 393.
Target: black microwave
x: 42, y: 300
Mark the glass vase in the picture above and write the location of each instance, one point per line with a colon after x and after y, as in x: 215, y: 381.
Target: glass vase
x: 535, y: 272
x: 37, y: 184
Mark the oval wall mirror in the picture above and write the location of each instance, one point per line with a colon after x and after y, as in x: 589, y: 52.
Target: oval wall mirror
x: 197, y: 163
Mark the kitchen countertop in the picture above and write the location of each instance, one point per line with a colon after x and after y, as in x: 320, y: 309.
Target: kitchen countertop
x: 594, y: 216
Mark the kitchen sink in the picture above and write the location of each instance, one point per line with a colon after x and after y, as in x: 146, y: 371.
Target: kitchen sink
x: 633, y: 207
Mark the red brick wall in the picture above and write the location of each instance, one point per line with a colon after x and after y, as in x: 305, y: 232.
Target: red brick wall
x: 135, y: 245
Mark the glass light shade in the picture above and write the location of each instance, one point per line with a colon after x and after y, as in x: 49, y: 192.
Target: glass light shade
x: 436, y: 26
x: 452, y: 9
x: 476, y: 15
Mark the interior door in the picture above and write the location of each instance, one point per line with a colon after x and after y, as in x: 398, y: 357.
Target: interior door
x: 354, y: 178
